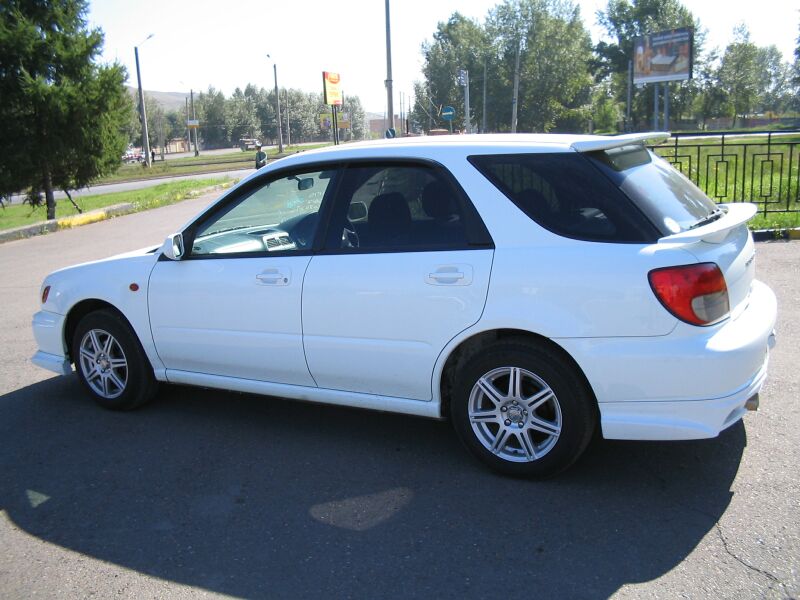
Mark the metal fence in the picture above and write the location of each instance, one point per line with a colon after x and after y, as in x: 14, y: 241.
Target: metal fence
x: 761, y: 167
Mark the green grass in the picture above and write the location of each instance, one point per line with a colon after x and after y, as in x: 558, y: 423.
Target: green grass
x: 18, y: 215
x: 179, y: 166
x: 783, y: 138
x: 235, y: 159
x: 775, y: 221
x: 750, y: 170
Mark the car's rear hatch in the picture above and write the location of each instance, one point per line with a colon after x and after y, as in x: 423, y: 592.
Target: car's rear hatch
x: 684, y: 215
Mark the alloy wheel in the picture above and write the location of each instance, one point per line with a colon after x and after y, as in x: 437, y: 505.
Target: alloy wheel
x: 515, y: 414
x: 103, y: 363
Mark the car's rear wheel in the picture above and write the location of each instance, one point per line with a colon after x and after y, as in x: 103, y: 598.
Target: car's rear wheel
x: 111, y: 363
x: 521, y: 409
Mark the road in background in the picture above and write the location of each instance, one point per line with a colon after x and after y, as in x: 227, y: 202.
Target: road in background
x: 216, y: 152
x: 207, y: 493
x: 145, y: 183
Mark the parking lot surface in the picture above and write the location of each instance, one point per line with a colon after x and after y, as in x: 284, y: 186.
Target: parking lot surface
x: 207, y: 493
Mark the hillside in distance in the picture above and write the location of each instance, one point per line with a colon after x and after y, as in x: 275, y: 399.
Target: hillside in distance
x: 169, y: 101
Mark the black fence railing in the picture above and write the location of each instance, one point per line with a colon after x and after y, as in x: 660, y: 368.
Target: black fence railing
x: 761, y: 167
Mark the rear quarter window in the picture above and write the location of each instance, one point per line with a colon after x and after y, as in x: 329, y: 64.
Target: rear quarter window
x: 566, y: 194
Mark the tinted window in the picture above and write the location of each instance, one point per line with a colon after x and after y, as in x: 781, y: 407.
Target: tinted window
x: 278, y: 216
x: 672, y: 201
x: 400, y: 206
x: 564, y: 193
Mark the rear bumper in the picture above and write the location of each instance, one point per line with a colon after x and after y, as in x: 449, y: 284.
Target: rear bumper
x: 690, y: 384
x: 687, y: 420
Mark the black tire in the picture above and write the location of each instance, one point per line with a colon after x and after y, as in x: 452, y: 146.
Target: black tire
x: 557, y: 426
x: 111, y: 384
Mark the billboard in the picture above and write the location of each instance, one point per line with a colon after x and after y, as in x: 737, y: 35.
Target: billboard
x: 331, y: 89
x: 664, y: 56
x: 342, y: 120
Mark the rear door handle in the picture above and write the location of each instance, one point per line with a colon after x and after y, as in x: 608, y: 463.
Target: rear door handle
x: 446, y: 276
x: 450, y: 275
x: 274, y: 277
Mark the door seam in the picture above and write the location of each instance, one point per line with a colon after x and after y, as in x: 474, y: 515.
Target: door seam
x: 302, y: 325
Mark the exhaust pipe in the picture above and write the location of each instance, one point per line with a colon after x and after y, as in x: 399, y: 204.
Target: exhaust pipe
x: 771, y: 340
x: 752, y: 403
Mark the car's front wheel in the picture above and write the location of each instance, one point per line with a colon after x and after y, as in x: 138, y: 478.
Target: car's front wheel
x: 111, y: 363
x: 521, y: 409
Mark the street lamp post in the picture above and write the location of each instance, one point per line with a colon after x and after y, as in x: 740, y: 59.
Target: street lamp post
x: 278, y: 105
x: 142, y: 111
x: 389, y: 91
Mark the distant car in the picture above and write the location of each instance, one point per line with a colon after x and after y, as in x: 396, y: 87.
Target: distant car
x: 531, y: 289
x: 132, y: 156
x: 246, y: 144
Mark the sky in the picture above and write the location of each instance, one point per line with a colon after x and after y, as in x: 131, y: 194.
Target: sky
x: 202, y: 43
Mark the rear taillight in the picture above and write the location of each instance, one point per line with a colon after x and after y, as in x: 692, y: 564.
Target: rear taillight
x: 696, y: 294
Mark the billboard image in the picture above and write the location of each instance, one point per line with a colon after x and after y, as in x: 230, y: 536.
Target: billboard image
x: 664, y: 56
x: 342, y: 120
x: 331, y: 88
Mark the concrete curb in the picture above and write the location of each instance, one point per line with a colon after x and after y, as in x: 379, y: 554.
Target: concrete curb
x: 93, y: 216
x: 100, y: 214
x: 767, y: 235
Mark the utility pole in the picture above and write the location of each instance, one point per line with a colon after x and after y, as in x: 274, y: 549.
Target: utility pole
x: 161, y: 140
x: 463, y: 79
x: 665, y: 87
x: 142, y: 110
x: 278, y: 104
x: 515, y: 97
x: 389, y: 91
x: 655, y: 107
x: 188, y: 129
x: 628, y: 127
x: 483, y: 123
x: 401, y: 113
x: 194, y: 117
x: 288, y: 126
x: 430, y: 114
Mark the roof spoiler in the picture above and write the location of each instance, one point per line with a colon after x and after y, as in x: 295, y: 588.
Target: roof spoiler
x: 615, y: 141
x: 716, y: 231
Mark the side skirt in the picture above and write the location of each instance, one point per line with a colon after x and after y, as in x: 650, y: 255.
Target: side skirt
x: 405, y: 406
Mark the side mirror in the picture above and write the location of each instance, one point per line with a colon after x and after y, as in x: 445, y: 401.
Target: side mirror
x: 357, y: 211
x: 173, y: 246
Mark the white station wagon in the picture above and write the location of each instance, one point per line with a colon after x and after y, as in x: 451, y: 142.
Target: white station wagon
x: 530, y: 288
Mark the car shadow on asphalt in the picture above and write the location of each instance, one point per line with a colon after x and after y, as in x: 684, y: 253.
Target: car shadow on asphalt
x: 254, y: 496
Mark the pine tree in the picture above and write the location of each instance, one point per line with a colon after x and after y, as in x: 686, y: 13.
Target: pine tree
x: 62, y: 115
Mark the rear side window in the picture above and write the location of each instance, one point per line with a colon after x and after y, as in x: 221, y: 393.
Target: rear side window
x: 566, y: 194
x: 402, y: 206
x: 671, y: 201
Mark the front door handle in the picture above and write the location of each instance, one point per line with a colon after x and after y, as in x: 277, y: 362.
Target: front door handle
x: 274, y: 277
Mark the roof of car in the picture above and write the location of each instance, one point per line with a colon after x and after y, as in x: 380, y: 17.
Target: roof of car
x: 580, y: 143
x: 426, y: 146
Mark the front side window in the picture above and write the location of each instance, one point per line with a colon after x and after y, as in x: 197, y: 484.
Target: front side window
x: 399, y: 207
x: 279, y: 216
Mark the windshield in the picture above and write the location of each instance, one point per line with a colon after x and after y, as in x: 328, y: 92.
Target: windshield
x: 671, y: 201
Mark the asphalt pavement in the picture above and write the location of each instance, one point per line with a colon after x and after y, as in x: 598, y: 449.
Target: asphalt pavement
x: 205, y: 493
